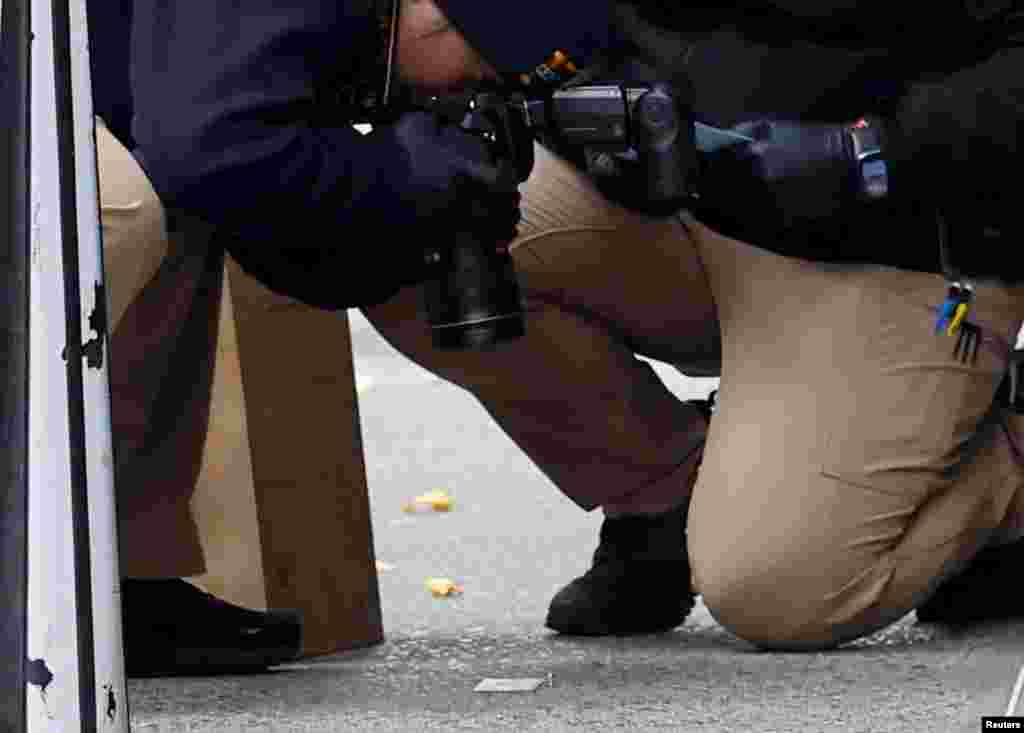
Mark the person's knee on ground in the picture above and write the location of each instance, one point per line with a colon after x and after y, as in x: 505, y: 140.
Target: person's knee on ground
x: 788, y: 585
x: 852, y: 464
x: 774, y: 611
x: 954, y: 559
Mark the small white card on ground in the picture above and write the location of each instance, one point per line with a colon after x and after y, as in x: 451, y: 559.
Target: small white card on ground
x: 528, y: 684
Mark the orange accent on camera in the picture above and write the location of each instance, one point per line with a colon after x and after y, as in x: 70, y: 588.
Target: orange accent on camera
x: 560, y: 59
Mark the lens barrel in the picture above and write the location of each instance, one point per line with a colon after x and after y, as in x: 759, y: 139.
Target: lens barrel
x: 472, y: 296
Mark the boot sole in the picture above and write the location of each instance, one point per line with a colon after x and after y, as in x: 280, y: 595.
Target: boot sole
x: 207, y: 663
x: 566, y: 623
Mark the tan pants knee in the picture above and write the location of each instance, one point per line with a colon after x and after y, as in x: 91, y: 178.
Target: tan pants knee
x: 855, y: 560
x: 853, y: 462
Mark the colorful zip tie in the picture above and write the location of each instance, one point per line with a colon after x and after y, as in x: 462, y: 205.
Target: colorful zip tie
x: 954, y: 310
x: 958, y: 319
x: 947, y: 309
x: 952, y: 320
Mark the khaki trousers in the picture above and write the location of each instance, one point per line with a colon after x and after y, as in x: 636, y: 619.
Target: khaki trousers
x: 164, y: 302
x: 852, y: 463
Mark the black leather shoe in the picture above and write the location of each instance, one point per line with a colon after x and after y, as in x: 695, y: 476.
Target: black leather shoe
x: 173, y: 628
x: 985, y: 591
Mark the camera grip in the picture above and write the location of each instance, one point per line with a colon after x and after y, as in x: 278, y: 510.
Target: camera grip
x: 663, y: 134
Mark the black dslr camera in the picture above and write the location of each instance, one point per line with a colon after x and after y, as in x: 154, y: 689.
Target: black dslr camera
x: 637, y: 137
x: 472, y: 294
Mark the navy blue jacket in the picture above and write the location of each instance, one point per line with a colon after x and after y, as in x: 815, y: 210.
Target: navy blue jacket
x: 109, y: 34
x: 231, y: 126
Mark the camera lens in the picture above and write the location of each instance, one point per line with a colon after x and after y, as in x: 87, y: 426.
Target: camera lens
x: 473, y: 299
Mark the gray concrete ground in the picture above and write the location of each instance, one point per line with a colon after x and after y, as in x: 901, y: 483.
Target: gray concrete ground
x: 512, y: 540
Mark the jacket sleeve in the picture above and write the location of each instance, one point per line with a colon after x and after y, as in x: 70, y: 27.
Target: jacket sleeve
x: 109, y: 29
x: 959, y: 141
x: 226, y: 126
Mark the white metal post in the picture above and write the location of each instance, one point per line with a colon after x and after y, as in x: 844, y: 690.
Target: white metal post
x: 75, y: 667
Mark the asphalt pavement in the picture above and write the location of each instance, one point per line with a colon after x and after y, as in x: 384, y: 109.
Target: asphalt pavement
x: 510, y: 540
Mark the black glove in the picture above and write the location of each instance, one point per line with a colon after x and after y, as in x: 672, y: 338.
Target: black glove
x: 807, y: 171
x: 788, y: 179
x: 957, y: 144
x: 445, y: 163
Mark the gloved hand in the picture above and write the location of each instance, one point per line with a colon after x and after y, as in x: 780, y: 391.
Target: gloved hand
x: 788, y: 181
x: 788, y: 177
x: 446, y: 165
x: 806, y: 171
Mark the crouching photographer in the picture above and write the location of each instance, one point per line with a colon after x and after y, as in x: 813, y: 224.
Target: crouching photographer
x: 824, y: 506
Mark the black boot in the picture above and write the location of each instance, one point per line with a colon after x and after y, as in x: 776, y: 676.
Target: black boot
x: 640, y: 579
x: 173, y: 628
x: 985, y: 591
x: 639, y: 582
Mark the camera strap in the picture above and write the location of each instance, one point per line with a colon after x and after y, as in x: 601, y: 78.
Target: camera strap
x: 391, y: 31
